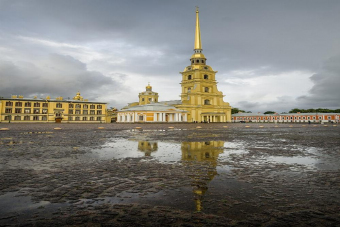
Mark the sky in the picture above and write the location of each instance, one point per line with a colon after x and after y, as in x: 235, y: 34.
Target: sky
x: 270, y: 54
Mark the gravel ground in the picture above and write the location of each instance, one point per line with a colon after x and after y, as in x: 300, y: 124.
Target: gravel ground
x: 192, y: 175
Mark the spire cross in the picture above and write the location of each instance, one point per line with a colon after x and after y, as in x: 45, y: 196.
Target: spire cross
x: 197, y: 9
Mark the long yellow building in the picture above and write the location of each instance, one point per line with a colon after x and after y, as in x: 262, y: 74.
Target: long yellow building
x: 200, y: 96
x: 18, y: 109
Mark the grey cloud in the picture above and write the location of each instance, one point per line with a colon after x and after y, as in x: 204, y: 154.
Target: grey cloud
x: 236, y: 35
x: 56, y: 76
x: 325, y: 92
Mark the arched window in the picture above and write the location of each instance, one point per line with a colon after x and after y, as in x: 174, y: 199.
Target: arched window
x: 206, y: 89
x: 197, y: 61
x: 207, y: 102
x: 206, y: 77
x: 189, y: 77
x: 202, y: 61
x: 193, y: 61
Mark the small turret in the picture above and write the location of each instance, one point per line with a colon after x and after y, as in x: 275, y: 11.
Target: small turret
x: 78, y: 97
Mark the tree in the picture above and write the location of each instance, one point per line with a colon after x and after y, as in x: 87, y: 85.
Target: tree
x: 236, y: 110
x: 269, y: 112
x: 295, y: 110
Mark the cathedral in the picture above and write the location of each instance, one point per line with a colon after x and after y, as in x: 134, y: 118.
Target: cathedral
x: 200, y: 99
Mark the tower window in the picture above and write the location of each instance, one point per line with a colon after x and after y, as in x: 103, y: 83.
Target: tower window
x: 206, y: 89
x: 189, y: 77
x: 202, y: 61
x: 207, y: 102
x: 197, y: 61
x: 142, y: 99
x: 192, y: 61
x: 206, y: 77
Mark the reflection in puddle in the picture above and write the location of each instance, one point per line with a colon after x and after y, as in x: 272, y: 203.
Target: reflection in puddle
x: 121, y: 148
x: 203, y: 158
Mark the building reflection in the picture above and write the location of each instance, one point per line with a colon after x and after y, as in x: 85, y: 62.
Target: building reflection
x: 206, y: 153
x: 147, y: 147
x: 201, y: 157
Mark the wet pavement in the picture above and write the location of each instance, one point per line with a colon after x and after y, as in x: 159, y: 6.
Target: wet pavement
x: 169, y: 175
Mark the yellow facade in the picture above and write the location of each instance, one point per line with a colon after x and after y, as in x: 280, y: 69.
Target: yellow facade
x: 18, y: 109
x: 147, y: 96
x: 200, y: 95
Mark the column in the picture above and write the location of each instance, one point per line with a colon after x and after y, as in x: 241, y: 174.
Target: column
x: 185, y: 117
x: 154, y: 117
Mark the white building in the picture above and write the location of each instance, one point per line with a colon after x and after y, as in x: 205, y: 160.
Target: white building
x: 154, y: 112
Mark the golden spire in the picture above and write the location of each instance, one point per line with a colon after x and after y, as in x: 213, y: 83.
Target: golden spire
x: 198, y: 44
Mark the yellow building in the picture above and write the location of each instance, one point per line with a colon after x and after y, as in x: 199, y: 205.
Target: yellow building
x: 111, y: 115
x: 200, y: 99
x: 200, y: 96
x: 18, y: 109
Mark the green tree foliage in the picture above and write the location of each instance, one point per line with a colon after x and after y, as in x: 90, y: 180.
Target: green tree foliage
x: 236, y: 110
x: 319, y: 110
x: 269, y: 112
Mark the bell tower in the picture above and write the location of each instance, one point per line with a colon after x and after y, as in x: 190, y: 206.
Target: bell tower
x: 200, y: 95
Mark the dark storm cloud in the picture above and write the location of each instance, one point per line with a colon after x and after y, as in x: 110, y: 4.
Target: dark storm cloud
x: 155, y: 38
x: 326, y: 90
x: 57, y: 76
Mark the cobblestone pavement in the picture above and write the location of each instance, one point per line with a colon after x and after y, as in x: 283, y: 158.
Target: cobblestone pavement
x: 169, y: 174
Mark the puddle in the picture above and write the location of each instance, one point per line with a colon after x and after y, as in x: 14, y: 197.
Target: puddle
x: 307, y: 161
x: 13, y: 202
x: 164, y: 152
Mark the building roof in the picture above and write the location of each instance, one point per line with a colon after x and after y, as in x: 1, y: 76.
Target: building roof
x: 49, y: 100
x: 286, y: 114
x: 171, y: 102
x: 153, y: 107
